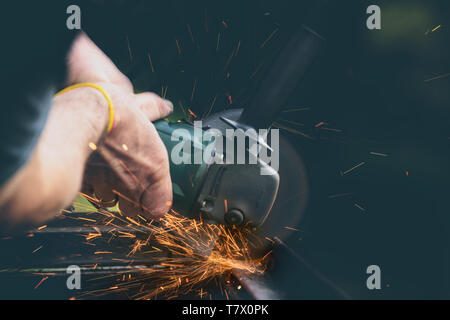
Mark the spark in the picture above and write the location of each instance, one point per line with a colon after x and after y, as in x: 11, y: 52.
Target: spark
x: 227, y: 64
x: 178, y: 46
x: 340, y: 195
x: 122, y: 196
x: 321, y: 123
x: 236, y: 51
x: 150, y: 61
x: 379, y: 154
x: 192, y: 113
x: 102, y: 252
x: 126, y: 235
x: 200, y: 252
x: 352, y: 168
x: 129, y: 49
x: 92, y: 145
x: 37, y: 249
x: 193, y: 89
x: 40, y: 282
x: 268, y: 38
x: 206, y: 21
x: 190, y: 33
x: 331, y: 129
x: 280, y: 126
x: 182, y: 109
x: 42, y: 227
x: 438, y: 77
x: 85, y: 219
x: 164, y: 91
x: 211, y: 107
x: 91, y: 236
x: 230, y: 100
x: 297, y: 109
x: 256, y: 70
x: 268, y: 239
x: 218, y: 41
x: 293, y: 122
x: 133, y: 221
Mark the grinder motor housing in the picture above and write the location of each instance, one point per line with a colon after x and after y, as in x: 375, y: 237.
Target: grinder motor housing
x: 222, y: 193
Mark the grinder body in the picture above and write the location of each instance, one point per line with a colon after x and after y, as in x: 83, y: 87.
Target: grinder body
x: 220, y: 192
x: 186, y: 178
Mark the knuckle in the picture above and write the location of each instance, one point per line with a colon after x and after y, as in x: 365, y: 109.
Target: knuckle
x: 159, y: 212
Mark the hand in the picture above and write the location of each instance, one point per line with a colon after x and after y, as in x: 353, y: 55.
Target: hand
x: 132, y: 163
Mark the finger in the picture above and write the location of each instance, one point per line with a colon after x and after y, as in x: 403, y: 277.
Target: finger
x: 87, y: 188
x: 103, y: 185
x: 157, y: 198
x: 128, y: 208
x: 153, y: 106
x: 105, y: 196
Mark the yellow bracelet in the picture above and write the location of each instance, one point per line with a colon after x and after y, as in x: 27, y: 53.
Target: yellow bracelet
x: 108, y: 99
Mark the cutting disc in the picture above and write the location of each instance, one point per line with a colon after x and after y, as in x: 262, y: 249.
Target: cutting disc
x: 292, y: 197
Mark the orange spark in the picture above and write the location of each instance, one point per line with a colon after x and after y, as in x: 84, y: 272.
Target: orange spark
x: 192, y: 113
x: 40, y: 282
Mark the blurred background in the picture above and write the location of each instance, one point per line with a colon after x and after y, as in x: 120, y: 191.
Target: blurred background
x: 370, y: 119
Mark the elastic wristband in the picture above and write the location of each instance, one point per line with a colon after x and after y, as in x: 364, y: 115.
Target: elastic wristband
x: 108, y: 99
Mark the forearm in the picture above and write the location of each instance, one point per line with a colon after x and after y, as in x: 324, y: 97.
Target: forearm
x: 53, y: 175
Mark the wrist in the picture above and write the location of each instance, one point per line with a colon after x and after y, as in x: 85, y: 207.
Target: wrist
x: 88, y: 107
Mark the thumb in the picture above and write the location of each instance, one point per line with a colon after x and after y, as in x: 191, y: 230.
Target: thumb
x: 153, y: 106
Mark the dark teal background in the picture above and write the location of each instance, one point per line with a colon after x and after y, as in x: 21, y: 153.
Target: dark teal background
x: 369, y: 84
